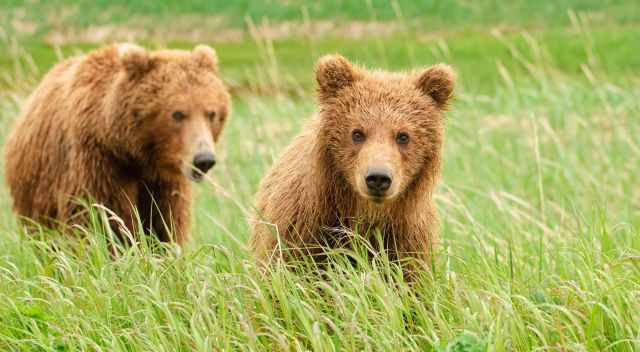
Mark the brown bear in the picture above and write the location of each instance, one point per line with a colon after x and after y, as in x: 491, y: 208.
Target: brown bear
x: 121, y: 127
x: 369, y: 160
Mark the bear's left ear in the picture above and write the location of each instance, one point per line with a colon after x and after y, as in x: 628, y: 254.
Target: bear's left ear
x: 437, y: 82
x: 206, y: 57
x: 135, y: 59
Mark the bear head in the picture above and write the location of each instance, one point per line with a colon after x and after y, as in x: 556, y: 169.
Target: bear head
x: 177, y: 106
x: 382, y: 132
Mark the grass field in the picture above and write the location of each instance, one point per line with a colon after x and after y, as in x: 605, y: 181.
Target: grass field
x: 539, y: 199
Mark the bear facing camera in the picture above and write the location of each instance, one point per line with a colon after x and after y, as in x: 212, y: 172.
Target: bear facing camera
x: 368, y: 161
x: 122, y: 127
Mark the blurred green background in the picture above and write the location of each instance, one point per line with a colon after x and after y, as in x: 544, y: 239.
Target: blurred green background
x: 256, y: 39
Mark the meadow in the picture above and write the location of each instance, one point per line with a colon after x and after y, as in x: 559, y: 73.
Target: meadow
x: 539, y: 197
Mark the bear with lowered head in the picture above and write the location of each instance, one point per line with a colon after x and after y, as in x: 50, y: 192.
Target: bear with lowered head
x: 122, y: 127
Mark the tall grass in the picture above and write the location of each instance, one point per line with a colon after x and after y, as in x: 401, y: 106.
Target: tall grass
x: 539, y: 207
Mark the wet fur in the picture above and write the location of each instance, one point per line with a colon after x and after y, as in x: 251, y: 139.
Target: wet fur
x: 96, y: 128
x: 310, y: 191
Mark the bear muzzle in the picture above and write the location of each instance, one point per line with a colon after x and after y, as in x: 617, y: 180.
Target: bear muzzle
x: 378, y: 181
x: 202, y: 162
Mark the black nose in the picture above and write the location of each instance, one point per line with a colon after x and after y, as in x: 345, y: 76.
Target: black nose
x: 378, y: 181
x: 204, y: 161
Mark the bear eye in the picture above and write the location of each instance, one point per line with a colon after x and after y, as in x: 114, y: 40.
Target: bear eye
x: 402, y: 138
x: 179, y: 115
x: 357, y: 136
x: 211, y: 115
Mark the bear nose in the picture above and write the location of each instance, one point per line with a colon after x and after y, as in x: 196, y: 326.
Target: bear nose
x: 204, y: 161
x: 378, y: 180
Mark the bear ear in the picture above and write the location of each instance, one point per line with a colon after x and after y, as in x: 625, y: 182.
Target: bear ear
x: 334, y: 72
x: 135, y: 60
x: 206, y: 57
x: 437, y: 82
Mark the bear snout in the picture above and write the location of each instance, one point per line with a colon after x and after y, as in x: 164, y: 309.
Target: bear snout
x: 378, y: 181
x: 204, y: 161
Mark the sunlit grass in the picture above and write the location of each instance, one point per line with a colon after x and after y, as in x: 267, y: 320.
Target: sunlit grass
x: 538, y: 199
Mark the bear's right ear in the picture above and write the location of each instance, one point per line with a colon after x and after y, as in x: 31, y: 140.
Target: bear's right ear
x: 135, y: 60
x: 334, y: 72
x: 437, y: 82
x: 206, y: 57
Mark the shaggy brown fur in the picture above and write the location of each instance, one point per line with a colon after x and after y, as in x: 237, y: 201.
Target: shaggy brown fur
x: 103, y: 127
x: 367, y: 121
